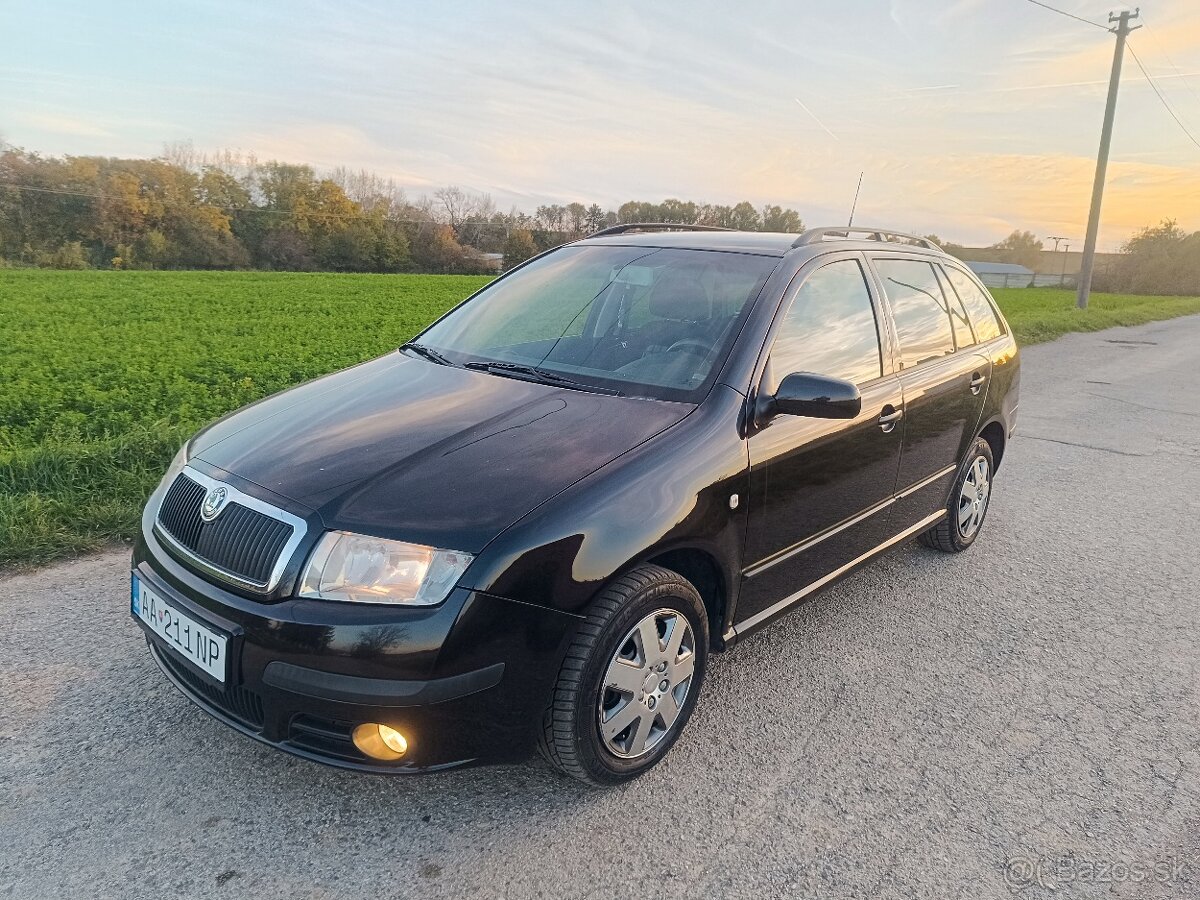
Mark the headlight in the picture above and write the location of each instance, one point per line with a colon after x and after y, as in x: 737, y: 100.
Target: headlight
x: 177, y: 464
x: 361, y: 569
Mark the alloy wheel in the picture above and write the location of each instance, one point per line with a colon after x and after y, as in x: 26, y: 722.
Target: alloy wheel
x: 647, y: 683
x: 973, y: 500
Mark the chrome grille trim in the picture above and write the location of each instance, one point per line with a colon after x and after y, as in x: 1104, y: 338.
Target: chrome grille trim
x: 299, y: 529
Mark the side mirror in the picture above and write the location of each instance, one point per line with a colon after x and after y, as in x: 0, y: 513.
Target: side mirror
x: 815, y: 396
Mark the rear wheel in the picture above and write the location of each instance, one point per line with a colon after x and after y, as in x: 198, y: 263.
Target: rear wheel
x: 630, y: 679
x: 968, y: 503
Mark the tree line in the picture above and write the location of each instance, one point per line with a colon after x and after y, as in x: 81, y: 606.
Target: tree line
x: 187, y: 210
x: 1161, y: 259
x: 190, y: 210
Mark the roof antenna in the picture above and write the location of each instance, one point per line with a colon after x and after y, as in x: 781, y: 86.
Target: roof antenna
x: 854, y: 205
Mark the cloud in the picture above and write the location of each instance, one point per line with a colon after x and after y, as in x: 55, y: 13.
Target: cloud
x: 326, y: 145
x: 68, y: 125
x: 969, y: 117
x: 961, y: 10
x: 982, y: 197
x: 1176, y: 32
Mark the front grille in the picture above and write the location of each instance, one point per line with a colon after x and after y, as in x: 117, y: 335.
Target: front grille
x: 240, y: 541
x: 233, y: 700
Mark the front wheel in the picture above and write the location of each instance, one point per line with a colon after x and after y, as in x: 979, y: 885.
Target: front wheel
x: 630, y: 678
x: 968, y: 503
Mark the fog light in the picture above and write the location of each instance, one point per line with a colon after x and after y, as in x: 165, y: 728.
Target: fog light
x: 380, y: 742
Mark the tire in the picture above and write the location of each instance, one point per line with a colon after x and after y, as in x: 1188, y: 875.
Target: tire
x: 949, y: 535
x: 571, y: 737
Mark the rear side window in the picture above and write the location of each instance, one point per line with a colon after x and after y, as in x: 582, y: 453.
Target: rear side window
x: 919, y: 308
x: 830, y: 327
x: 963, y: 335
x: 983, y: 317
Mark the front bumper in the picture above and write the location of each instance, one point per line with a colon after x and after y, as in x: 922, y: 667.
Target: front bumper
x: 465, y: 681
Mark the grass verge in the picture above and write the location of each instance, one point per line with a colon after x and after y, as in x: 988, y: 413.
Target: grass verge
x: 1043, y: 314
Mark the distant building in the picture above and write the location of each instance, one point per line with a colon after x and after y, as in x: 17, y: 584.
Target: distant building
x: 484, y: 262
x: 998, y: 274
x: 1055, y: 268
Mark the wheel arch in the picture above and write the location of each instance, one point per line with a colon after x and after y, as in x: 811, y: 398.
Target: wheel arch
x: 707, y: 576
x: 661, y: 502
x: 993, y: 433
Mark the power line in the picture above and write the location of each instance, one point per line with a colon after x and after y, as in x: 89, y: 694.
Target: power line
x: 1149, y: 78
x: 1178, y: 73
x: 1063, y: 12
x: 1166, y: 105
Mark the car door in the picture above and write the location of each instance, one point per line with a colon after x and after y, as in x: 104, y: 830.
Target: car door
x: 820, y: 488
x: 943, y: 378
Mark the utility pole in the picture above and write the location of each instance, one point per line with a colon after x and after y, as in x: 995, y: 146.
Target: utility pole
x: 1051, y: 237
x: 1093, y: 228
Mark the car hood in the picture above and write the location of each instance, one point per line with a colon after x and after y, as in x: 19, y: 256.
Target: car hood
x: 405, y: 448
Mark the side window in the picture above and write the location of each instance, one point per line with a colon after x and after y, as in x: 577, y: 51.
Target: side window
x: 983, y: 317
x: 922, y: 320
x: 963, y: 336
x: 830, y: 327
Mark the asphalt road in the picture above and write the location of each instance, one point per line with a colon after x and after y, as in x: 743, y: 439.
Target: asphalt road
x: 934, y: 726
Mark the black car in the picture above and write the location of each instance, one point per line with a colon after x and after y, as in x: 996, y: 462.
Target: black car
x: 529, y: 526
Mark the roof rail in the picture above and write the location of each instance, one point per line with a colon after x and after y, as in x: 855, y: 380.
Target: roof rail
x: 653, y: 226
x: 816, y: 235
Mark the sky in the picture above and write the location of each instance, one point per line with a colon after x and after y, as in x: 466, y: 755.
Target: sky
x: 968, y: 118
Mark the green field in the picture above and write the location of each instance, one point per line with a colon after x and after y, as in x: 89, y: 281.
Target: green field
x: 104, y: 374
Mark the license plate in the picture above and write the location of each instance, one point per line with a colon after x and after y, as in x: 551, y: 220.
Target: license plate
x: 201, y: 646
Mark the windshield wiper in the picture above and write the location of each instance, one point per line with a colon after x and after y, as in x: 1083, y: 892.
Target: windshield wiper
x: 532, y: 373
x: 428, y: 352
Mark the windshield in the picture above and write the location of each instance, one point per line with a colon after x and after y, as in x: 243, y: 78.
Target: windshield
x: 639, y: 320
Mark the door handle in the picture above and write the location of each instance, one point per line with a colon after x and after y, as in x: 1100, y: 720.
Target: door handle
x: 977, y: 381
x: 889, y: 417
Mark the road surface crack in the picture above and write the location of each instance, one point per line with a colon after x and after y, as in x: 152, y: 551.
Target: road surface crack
x: 1174, y: 412
x: 1034, y: 437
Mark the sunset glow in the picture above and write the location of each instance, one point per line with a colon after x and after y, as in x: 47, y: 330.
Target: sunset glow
x: 969, y: 119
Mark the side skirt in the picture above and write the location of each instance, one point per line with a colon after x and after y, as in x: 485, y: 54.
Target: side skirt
x: 744, y: 629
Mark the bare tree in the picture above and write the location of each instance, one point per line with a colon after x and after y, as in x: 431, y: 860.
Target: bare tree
x: 370, y: 190
x: 182, y: 154
x: 455, y: 205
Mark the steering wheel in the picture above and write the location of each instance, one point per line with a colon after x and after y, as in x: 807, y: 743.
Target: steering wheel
x: 694, y: 344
